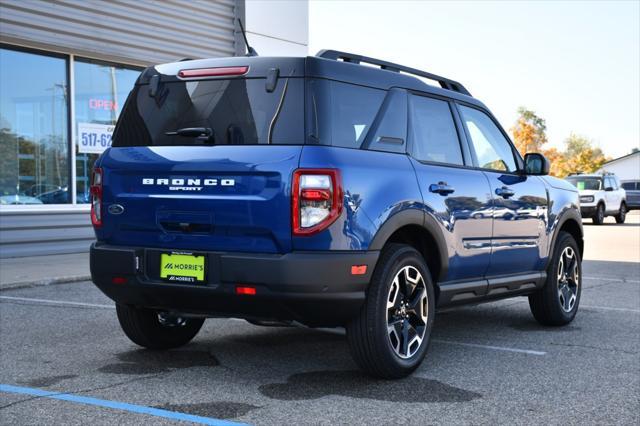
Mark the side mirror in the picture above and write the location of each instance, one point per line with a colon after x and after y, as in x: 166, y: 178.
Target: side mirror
x: 609, y: 188
x: 536, y: 164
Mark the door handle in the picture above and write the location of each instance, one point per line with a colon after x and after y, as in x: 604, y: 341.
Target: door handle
x: 505, y: 192
x: 441, y: 188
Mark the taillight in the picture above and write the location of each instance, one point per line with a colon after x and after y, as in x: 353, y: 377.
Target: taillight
x: 316, y: 200
x: 96, y: 197
x: 213, y: 72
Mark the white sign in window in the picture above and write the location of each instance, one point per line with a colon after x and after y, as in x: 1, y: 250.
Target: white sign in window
x: 94, y: 138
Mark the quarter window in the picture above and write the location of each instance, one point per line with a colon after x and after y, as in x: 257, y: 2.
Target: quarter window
x: 343, y: 113
x: 491, y: 147
x: 433, y: 131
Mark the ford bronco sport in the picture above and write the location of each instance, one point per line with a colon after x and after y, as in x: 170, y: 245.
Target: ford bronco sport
x: 322, y: 192
x: 600, y: 196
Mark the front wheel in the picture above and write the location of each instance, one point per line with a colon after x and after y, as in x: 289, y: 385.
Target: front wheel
x: 390, y: 336
x: 557, y: 302
x: 622, y: 213
x: 598, y: 219
x: 156, y: 330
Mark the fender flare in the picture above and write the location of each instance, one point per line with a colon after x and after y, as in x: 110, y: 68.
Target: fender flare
x: 568, y: 214
x: 419, y: 218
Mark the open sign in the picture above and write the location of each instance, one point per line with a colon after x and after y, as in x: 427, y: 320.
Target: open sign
x: 103, y: 104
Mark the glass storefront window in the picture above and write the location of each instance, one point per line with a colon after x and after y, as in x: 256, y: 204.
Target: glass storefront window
x: 100, y: 92
x: 34, y: 140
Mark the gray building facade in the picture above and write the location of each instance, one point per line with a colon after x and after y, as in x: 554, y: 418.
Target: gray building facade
x: 66, y: 67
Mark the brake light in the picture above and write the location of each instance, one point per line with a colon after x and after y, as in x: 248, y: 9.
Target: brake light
x: 96, y: 197
x: 213, y: 72
x: 316, y: 200
x: 246, y: 291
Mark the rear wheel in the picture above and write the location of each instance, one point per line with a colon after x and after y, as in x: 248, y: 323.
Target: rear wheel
x: 156, y: 330
x: 390, y: 336
x: 622, y: 213
x: 557, y: 302
x: 598, y: 219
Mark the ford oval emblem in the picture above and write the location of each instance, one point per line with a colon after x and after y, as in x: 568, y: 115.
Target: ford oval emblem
x: 116, y: 209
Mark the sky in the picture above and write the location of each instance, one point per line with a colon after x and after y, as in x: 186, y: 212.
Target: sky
x: 575, y: 63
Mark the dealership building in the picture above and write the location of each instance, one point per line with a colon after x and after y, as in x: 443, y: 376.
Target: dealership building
x: 66, y: 68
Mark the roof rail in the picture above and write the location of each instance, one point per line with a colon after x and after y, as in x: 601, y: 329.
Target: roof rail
x: 445, y: 83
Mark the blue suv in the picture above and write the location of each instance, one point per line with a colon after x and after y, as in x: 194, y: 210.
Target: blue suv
x: 325, y: 192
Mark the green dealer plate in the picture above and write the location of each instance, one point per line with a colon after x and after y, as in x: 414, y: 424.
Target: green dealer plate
x: 185, y: 268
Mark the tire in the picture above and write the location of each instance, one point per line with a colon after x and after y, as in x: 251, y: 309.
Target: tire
x: 557, y: 302
x: 401, y: 274
x: 622, y: 213
x: 598, y: 218
x: 149, y: 329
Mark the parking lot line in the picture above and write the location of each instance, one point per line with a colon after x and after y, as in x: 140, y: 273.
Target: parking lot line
x: 606, y: 308
x: 495, y: 348
x: 57, y: 302
x: 133, y: 408
x: 616, y: 280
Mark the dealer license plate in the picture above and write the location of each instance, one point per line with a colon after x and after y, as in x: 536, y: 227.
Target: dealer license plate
x: 179, y: 267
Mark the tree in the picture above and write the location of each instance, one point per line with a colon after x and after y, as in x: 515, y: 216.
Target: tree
x: 581, y: 156
x: 558, y: 162
x: 529, y: 132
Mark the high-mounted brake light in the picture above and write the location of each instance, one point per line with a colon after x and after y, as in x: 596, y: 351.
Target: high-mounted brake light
x: 96, y: 197
x: 213, y: 72
x: 316, y: 200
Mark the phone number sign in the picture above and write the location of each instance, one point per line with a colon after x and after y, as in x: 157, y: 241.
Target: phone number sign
x: 94, y: 138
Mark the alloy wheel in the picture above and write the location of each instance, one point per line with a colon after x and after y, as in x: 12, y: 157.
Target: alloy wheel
x: 568, y: 279
x: 407, y: 312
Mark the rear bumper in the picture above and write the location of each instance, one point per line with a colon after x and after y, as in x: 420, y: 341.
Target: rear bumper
x: 314, y: 288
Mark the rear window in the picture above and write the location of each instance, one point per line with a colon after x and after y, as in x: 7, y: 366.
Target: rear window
x: 233, y: 112
x: 586, y: 183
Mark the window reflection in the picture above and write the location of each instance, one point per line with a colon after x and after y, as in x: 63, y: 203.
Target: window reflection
x: 34, y: 139
x: 100, y: 92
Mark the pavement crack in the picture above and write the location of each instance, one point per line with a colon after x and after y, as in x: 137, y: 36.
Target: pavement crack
x: 93, y: 389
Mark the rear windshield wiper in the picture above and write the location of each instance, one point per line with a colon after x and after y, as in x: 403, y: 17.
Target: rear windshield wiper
x: 204, y: 134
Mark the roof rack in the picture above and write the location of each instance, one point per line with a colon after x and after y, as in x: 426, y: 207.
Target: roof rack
x: 445, y: 83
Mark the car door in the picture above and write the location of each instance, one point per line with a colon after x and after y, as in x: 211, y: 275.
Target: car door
x: 519, y: 201
x: 611, y: 194
x: 455, y: 196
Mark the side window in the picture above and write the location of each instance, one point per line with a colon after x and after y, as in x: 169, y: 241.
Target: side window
x: 433, y: 131
x: 492, y: 148
x: 351, y: 109
x: 629, y: 186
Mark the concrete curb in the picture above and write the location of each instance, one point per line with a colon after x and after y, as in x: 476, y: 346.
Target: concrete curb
x: 44, y: 282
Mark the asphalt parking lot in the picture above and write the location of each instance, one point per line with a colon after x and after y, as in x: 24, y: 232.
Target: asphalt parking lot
x: 61, y: 346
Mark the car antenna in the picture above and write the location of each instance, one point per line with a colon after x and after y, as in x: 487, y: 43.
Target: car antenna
x: 250, y: 50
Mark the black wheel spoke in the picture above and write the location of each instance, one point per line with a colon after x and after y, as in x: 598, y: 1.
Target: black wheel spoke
x: 572, y: 267
x: 405, y: 336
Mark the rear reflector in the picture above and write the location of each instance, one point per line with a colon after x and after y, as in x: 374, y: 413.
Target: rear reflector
x: 249, y: 291
x: 213, y: 72
x: 358, y: 269
x: 119, y: 280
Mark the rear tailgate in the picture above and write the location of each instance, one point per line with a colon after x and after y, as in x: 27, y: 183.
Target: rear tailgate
x: 203, y: 156
x: 228, y: 198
